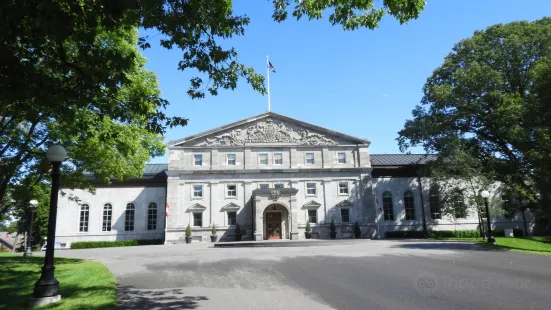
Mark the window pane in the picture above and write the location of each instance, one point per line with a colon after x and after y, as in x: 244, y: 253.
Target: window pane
x: 263, y: 159
x: 231, y: 159
x: 345, y: 215
x: 198, y: 160
x: 409, y: 206
x: 434, y: 203
x: 264, y: 186
x: 84, y: 216
x: 197, y: 190
x: 313, y: 216
x: 387, y: 206
x: 279, y: 185
x: 343, y: 187
x: 310, y: 188
x: 107, y: 216
x: 278, y: 159
x: 341, y: 158
x: 459, y: 207
x: 232, y: 190
x: 129, y: 217
x: 232, y: 218
x: 152, y: 216
x: 198, y: 219
x: 309, y: 158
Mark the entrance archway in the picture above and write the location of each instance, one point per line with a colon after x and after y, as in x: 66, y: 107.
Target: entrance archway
x: 276, y: 223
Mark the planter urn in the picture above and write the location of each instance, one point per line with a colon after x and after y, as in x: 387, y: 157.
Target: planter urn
x: 188, y: 239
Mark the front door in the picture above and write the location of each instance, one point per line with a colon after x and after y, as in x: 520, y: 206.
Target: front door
x: 273, y: 225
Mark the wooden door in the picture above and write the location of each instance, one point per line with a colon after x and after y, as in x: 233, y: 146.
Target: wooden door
x: 273, y: 225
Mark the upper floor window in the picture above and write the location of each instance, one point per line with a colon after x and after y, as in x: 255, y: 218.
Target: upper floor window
x: 231, y: 190
x: 310, y: 158
x: 230, y: 159
x: 310, y: 188
x: 264, y: 186
x: 84, y: 216
x: 107, y: 215
x: 345, y: 215
x: 263, y: 159
x: 343, y: 188
x: 197, y: 190
x: 129, y: 217
x: 278, y: 185
x: 152, y: 216
x: 388, y: 208
x: 278, y: 159
x: 409, y: 206
x: 341, y: 158
x: 434, y: 204
x: 197, y: 160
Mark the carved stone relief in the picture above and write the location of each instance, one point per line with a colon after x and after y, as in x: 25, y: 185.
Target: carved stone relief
x: 268, y: 131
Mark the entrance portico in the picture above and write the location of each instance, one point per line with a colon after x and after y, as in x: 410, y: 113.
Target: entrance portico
x: 275, y: 214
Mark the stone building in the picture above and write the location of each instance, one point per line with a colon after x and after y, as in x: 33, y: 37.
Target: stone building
x: 271, y: 174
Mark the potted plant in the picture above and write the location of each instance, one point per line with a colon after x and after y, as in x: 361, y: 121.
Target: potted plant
x: 213, y: 235
x: 188, y: 234
x: 237, y: 232
x: 307, y: 232
x: 357, y: 230
x: 332, y: 230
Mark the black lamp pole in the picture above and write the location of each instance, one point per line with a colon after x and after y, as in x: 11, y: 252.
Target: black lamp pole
x: 47, y: 285
x: 29, y: 251
x: 490, y: 237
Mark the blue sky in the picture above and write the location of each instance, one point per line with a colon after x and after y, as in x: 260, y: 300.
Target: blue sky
x: 364, y: 83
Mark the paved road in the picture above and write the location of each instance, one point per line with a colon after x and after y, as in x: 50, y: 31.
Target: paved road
x: 361, y: 274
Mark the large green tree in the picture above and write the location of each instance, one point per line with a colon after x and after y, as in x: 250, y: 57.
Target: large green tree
x: 493, y: 94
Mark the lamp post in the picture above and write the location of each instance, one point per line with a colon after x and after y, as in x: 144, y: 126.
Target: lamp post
x: 485, y: 195
x: 46, y: 289
x: 29, y: 251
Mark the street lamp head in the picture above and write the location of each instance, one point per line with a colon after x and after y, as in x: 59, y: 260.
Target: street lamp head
x: 527, y: 182
x: 56, y: 154
x: 33, y: 203
x: 484, y: 194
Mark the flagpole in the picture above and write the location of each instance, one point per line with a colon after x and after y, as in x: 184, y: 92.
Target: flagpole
x: 268, y: 72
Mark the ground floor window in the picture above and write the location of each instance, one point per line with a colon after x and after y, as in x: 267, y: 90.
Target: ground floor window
x: 409, y: 206
x: 313, y: 216
x: 232, y: 218
x: 129, y: 217
x: 345, y: 215
x: 388, y: 206
x: 198, y: 219
x: 434, y: 204
x: 152, y: 216
x: 84, y: 216
x: 107, y: 214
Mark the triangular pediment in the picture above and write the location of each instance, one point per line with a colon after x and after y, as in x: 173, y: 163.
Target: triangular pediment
x: 344, y: 204
x: 268, y: 129
x: 311, y: 205
x: 230, y: 207
x: 196, y: 207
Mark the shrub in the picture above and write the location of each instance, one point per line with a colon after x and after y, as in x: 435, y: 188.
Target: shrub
x: 357, y: 230
x: 111, y: 244
x: 454, y: 234
x: 404, y: 234
x: 213, y: 230
x: 332, y: 227
x: 308, y: 228
x: 188, y: 231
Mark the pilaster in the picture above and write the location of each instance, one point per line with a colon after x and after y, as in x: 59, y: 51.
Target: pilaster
x: 172, y: 200
x: 326, y: 158
x: 293, y: 158
x: 258, y: 227
x: 294, y: 235
x: 214, y: 160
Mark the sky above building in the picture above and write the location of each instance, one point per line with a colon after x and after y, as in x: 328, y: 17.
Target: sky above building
x: 364, y: 83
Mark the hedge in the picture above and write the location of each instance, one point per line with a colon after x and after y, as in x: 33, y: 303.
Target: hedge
x: 404, y: 234
x: 110, y: 244
x: 436, y: 234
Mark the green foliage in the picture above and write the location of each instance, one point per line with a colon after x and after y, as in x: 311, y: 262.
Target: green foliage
x: 188, y: 231
x: 404, y: 234
x: 308, y: 229
x: 332, y: 227
x: 491, y: 96
x: 435, y: 234
x: 357, y: 230
x: 213, y: 230
x: 113, y: 244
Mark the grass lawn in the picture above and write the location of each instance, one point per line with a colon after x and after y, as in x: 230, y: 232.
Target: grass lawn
x: 533, y: 245
x: 84, y: 284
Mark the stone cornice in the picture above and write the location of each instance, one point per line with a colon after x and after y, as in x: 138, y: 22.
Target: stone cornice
x: 258, y: 171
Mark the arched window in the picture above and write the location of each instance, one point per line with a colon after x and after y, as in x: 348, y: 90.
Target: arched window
x: 434, y: 204
x: 387, y: 206
x: 84, y: 216
x: 409, y: 206
x: 129, y: 217
x: 107, y: 215
x: 459, y: 206
x: 152, y: 216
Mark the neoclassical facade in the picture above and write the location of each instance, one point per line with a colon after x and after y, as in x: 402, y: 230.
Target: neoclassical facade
x: 270, y: 174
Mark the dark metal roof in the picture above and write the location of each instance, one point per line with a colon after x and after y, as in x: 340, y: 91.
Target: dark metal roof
x: 155, y: 168
x: 400, y: 159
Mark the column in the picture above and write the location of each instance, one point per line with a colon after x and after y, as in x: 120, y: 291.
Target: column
x: 213, y: 201
x: 294, y: 216
x: 326, y: 198
x: 259, y: 227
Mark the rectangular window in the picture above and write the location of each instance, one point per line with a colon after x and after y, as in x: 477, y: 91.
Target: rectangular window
x: 311, y: 189
x: 343, y: 188
x: 129, y: 217
x: 197, y: 160
x: 197, y: 191
x: 278, y: 185
x: 278, y: 159
x: 231, y: 190
x: 84, y: 216
x: 263, y: 159
x: 152, y: 216
x: 310, y: 158
x: 232, y: 218
x: 263, y: 186
x: 198, y: 219
x: 231, y: 159
x: 345, y: 215
x: 341, y: 158
x: 107, y: 215
x: 313, y: 216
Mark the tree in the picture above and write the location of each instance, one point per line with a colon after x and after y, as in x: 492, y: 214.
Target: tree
x: 493, y: 94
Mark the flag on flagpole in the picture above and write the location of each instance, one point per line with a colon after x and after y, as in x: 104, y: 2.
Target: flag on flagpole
x: 272, y: 68
x: 167, y: 206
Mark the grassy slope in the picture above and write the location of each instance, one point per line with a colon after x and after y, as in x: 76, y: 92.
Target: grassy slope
x: 533, y: 245
x: 83, y: 284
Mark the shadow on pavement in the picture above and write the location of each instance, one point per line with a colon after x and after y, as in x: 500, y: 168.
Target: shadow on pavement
x: 156, y: 299
x: 441, y: 246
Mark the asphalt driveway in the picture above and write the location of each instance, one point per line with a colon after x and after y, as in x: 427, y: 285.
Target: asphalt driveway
x: 360, y: 274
